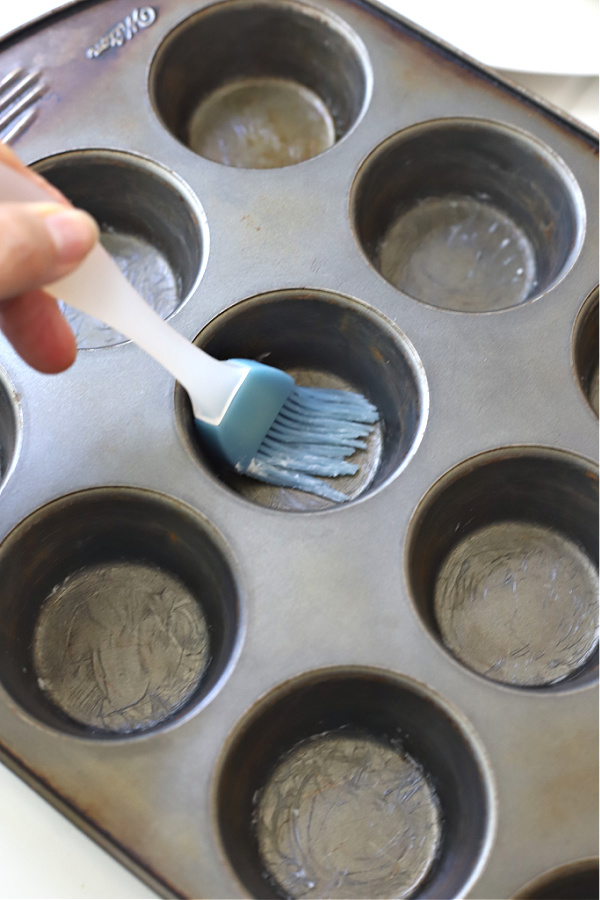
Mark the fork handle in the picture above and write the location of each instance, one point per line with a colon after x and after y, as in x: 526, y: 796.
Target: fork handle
x: 99, y: 288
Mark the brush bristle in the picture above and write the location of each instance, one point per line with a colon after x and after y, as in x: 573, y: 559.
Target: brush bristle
x: 311, y: 438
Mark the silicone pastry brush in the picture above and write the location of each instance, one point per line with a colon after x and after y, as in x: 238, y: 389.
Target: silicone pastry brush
x: 252, y: 415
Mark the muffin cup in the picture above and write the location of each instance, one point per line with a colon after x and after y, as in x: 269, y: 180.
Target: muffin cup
x: 120, y: 613
x: 286, y: 83
x: 351, y: 783
x: 502, y: 562
x: 468, y: 215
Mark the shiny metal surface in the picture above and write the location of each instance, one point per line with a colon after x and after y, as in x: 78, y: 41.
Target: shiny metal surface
x: 344, y: 816
x: 468, y: 215
x: 353, y: 782
x: 120, y: 646
x: 231, y: 770
x: 519, y: 604
x: 288, y: 82
x: 261, y: 123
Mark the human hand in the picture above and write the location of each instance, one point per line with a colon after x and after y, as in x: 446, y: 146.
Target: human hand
x: 39, y: 243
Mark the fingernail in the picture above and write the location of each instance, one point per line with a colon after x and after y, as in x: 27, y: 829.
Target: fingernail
x: 73, y: 233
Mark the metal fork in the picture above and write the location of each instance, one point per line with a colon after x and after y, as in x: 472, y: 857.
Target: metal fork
x: 19, y: 92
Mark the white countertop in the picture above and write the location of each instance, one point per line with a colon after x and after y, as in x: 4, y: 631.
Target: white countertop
x: 42, y: 855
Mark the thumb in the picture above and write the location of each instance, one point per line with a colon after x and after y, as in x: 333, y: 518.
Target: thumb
x: 40, y: 243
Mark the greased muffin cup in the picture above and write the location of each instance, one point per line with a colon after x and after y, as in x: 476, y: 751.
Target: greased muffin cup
x: 242, y: 690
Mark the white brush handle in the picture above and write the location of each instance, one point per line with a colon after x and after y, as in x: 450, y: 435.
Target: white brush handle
x: 98, y: 287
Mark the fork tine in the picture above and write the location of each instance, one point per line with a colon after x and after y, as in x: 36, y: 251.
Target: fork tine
x: 24, y: 103
x: 11, y: 91
x: 18, y: 127
x: 19, y: 91
x: 12, y: 76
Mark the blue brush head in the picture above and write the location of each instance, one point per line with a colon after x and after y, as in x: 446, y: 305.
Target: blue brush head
x: 290, y: 436
x: 249, y: 416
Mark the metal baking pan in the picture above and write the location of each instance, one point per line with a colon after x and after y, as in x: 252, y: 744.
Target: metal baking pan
x: 246, y: 691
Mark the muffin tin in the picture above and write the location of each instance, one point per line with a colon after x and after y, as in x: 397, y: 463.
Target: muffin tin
x: 246, y: 691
